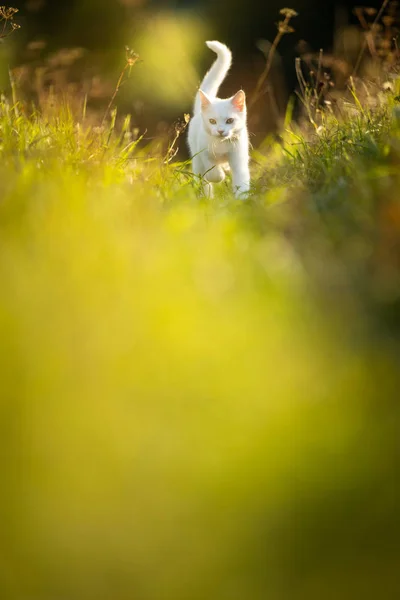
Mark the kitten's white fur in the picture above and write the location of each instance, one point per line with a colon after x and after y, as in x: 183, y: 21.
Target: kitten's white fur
x: 216, y: 147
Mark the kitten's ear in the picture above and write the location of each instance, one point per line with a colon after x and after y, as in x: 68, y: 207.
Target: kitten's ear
x: 239, y: 100
x: 204, y: 99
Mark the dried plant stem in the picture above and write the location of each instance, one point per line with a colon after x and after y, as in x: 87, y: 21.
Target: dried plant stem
x: 367, y: 38
x: 131, y: 60
x: 318, y: 79
x: 172, y: 151
x: 283, y: 28
x: 258, y: 92
x: 3, y: 31
x: 117, y: 88
x: 180, y: 127
x: 14, y: 93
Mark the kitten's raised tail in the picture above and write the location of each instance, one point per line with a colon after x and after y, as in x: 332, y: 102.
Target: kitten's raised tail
x: 217, y: 73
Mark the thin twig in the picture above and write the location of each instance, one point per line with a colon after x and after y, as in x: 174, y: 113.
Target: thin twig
x: 283, y: 28
x: 180, y: 127
x: 367, y: 39
x: 131, y: 59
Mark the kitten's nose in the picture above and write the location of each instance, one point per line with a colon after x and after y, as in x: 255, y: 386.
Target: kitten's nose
x: 221, y: 131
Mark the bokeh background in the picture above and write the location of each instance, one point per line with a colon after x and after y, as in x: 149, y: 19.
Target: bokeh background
x: 169, y: 37
x: 198, y: 398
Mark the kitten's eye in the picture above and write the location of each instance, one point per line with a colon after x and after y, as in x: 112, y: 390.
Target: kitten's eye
x: 213, y: 121
x: 229, y: 121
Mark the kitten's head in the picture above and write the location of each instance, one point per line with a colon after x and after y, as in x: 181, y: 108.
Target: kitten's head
x: 223, y: 119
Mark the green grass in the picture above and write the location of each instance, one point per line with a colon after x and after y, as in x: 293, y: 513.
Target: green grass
x: 198, y: 397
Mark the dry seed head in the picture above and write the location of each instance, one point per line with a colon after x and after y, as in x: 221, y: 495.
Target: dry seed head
x: 7, y: 12
x: 180, y: 126
x: 289, y: 13
x: 131, y: 56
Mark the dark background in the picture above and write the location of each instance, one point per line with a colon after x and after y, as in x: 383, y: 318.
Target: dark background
x: 95, y: 22
x: 105, y: 26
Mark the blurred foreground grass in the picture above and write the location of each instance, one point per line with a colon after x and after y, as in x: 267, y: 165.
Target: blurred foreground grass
x: 199, y: 399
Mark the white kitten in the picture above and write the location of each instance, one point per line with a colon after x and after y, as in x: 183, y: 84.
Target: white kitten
x: 218, y: 137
